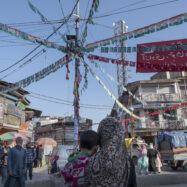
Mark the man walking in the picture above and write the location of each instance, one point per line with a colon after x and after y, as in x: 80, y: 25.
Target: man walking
x: 40, y: 155
x: 1, y: 159
x: 30, y: 156
x: 17, y: 165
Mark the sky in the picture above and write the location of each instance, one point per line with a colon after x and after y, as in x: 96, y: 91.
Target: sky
x: 18, y: 14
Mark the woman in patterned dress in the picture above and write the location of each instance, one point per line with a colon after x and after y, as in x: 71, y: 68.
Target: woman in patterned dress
x: 111, y: 166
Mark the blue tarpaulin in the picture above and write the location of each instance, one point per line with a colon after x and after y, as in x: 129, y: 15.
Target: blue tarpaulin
x: 176, y: 138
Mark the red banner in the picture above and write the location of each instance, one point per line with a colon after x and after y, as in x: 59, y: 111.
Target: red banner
x: 162, y: 56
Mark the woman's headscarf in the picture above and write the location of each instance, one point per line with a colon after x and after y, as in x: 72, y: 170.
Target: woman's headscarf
x: 110, y: 166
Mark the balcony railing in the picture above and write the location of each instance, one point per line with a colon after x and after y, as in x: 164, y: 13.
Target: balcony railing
x: 168, y: 124
x: 153, y: 97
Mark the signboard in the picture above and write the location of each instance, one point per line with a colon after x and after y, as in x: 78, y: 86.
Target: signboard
x: 12, y: 121
x: 1, y: 110
x: 162, y: 56
x: 14, y: 110
x: 21, y: 105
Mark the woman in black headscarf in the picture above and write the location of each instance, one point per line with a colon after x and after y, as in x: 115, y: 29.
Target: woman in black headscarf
x: 152, y: 155
x: 111, y: 166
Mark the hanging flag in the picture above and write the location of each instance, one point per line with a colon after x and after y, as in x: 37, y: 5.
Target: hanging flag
x: 162, y: 56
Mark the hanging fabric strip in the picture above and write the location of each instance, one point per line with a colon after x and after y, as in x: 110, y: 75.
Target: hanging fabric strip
x: 31, y: 38
x: 112, y: 79
x: 35, y: 77
x: 157, y: 112
x: 114, y: 61
x: 110, y: 93
x: 174, y: 21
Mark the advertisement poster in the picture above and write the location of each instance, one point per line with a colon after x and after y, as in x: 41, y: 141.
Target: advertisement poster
x: 162, y: 56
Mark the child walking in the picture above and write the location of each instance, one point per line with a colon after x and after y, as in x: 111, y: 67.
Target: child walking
x: 74, y: 171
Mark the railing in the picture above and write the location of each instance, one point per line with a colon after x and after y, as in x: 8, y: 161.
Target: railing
x: 169, y: 124
x: 152, y: 97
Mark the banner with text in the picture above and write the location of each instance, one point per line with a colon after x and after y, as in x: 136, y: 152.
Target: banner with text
x: 162, y: 56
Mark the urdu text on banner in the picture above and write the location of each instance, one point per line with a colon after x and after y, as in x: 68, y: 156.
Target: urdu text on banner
x: 162, y: 56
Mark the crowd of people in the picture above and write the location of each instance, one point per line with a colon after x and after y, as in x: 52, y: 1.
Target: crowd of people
x: 149, y: 160
x: 17, y: 163
x: 102, y: 160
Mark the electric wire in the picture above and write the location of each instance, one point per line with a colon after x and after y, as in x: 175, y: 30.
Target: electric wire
x: 56, y: 29
x: 130, y: 10
x: 25, y: 63
x: 129, y: 5
x: 69, y: 102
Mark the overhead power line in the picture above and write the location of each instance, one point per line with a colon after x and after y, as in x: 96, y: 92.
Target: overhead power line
x: 68, y: 102
x: 58, y: 102
x: 130, y: 10
x: 129, y: 5
x: 39, y: 44
x: 28, y: 61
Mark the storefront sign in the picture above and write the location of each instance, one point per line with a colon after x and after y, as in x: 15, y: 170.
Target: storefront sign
x: 162, y: 56
x: 21, y: 105
x: 12, y: 121
x: 12, y: 109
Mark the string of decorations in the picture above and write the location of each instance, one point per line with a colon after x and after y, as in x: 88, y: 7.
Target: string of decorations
x: 109, y: 92
x: 36, y: 77
x: 113, y: 61
x: 113, y: 80
x: 45, y: 20
x: 94, y: 8
x: 156, y: 112
x: 144, y: 48
x: 174, y: 21
x: 31, y: 38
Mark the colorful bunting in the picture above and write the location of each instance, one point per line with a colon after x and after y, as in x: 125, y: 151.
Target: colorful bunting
x: 114, y: 61
x: 112, y: 79
x: 174, y: 21
x: 110, y: 93
x: 35, y: 77
x: 33, y: 39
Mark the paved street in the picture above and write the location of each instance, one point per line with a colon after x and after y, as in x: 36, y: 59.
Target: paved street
x: 41, y: 178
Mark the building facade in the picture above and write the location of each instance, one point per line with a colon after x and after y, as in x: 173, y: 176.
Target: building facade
x: 61, y: 129
x: 12, y: 109
x: 164, y: 90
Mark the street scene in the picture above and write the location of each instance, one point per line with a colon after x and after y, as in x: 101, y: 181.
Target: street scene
x: 93, y: 93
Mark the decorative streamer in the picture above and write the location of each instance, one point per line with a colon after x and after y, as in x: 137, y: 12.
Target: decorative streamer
x: 67, y: 67
x: 112, y: 79
x: 31, y: 38
x: 45, y: 20
x: 35, y: 77
x: 114, y: 61
x: 174, y: 21
x: 110, y: 93
x: 95, y: 5
x: 157, y: 112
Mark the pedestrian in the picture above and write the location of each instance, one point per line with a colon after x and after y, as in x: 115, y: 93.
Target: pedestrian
x: 1, y: 159
x: 4, y: 165
x: 158, y: 163
x: 111, y: 165
x: 152, y: 155
x: 35, y: 160
x: 143, y: 161
x: 30, y: 156
x: 74, y: 171
x: 40, y: 155
x: 16, y: 165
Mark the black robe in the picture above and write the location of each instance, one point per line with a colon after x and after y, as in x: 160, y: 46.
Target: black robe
x: 152, y: 155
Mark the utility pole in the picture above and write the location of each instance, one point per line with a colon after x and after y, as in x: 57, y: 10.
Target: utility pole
x: 121, y: 28
x: 76, y: 94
